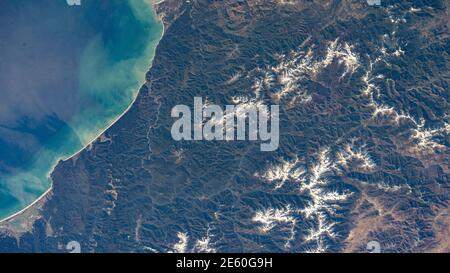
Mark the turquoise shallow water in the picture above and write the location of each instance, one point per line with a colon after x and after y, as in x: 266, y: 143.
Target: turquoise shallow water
x: 66, y: 73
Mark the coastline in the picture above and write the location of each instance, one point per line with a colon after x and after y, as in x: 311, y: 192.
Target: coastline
x: 157, y: 2
x: 114, y: 121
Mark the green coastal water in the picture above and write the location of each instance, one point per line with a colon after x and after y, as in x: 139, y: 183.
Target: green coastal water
x: 89, y: 67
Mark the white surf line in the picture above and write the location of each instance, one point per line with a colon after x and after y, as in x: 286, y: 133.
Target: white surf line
x: 27, y: 207
x: 73, y: 155
x: 70, y: 157
x: 88, y: 144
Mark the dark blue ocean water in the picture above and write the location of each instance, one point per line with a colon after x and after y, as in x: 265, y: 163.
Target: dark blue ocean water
x: 66, y: 73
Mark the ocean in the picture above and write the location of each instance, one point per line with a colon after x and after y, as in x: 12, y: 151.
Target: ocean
x: 66, y: 73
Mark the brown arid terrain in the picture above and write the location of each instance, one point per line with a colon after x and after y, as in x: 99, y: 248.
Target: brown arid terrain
x: 364, y: 138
